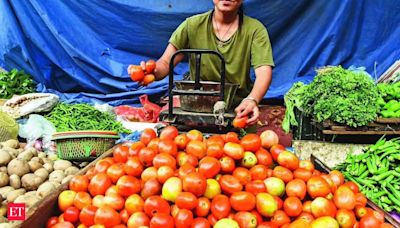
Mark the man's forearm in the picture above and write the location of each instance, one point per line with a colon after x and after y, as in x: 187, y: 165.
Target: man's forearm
x: 262, y: 82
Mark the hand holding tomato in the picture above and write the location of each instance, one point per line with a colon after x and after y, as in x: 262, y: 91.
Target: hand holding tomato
x: 143, y: 74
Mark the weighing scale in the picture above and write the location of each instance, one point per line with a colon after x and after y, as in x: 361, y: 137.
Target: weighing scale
x: 205, y: 105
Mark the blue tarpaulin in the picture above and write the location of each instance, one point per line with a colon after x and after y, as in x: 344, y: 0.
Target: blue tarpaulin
x: 81, y: 49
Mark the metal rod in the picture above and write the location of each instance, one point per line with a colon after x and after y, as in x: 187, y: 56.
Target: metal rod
x: 197, y: 75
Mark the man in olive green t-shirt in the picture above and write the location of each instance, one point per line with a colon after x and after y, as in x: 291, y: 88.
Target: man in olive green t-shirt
x: 243, y: 41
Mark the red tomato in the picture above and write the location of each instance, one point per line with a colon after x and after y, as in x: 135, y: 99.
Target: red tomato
x: 255, y: 187
x: 138, y: 219
x: 81, y: 200
x: 120, y: 153
x: 280, y: 218
x: 345, y: 218
x: 186, y: 200
x: 137, y: 73
x: 306, y: 216
x: 148, y: 174
x: 227, y: 164
x: 124, y: 216
x: 361, y: 200
x: 135, y: 148
x: 114, y: 201
x: 150, y: 188
x: 353, y: 186
x: 288, y: 160
x: 344, y: 198
x: 230, y: 184
x: 282, y: 173
x: 369, y: 221
x: 156, y: 204
x: 215, y: 139
x: 184, y: 158
x: 242, y: 174
x: 317, y: 186
x: 322, y: 207
x: 297, y: 188
x: 258, y: 172
x: 209, y: 167
x: 107, y: 216
x: 99, y: 184
x: 302, y: 174
x: 203, y: 207
x: 146, y: 156
x: 232, y: 137
x: 128, y: 185
x: 150, y: 66
x: 195, y: 135
x: 386, y: 225
x: 292, y: 206
x: 168, y: 146
x: 215, y: 150
x: 196, y: 148
x: 234, y: 150
x: 90, y: 173
x: 102, y: 166
x: 269, y: 138
x: 279, y: 202
x: 240, y: 122
x: 183, y: 219
x: 115, y: 171
x: 242, y: 201
x: 164, y: 159
x: 330, y: 182
x: 195, y: 183
x: 337, y: 177
x: 212, y: 219
x: 52, y: 221
x: 153, y: 144
x: 378, y: 214
x: 162, y: 220
x: 264, y: 157
x: 164, y: 173
x: 133, y: 167
x: 169, y: 132
x: 307, y: 165
x: 79, y: 183
x: 245, y: 219
x: 307, y: 206
x: 63, y: 225
x: 200, y: 223
x: 185, y: 170
x: 251, y: 142
x: 181, y: 141
x: 134, y: 203
x: 257, y: 215
x: 360, y: 211
x: 147, y: 135
x: 220, y: 206
x: 276, y: 150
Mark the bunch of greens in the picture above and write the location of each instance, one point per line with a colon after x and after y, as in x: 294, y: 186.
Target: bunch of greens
x: 343, y: 96
x: 82, y: 117
x: 15, y: 82
x: 390, y: 99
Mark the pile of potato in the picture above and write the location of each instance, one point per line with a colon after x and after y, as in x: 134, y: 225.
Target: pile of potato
x: 26, y: 175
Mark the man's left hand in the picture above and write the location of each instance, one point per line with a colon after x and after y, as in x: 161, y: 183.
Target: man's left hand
x: 249, y: 108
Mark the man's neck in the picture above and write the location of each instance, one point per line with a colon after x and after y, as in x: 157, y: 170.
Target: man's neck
x: 224, y: 18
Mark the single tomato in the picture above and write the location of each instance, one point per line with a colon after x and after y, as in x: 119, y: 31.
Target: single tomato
x: 168, y: 146
x: 195, y: 183
x: 133, y: 167
x: 169, y: 132
x: 115, y: 171
x: 276, y: 150
x: 164, y: 159
x: 220, y: 206
x: 297, y: 188
x: 200, y: 223
x: 344, y: 198
x: 288, y: 160
x: 79, y: 183
x: 230, y: 184
x: 134, y: 203
x: 138, y: 219
x: 292, y: 206
x: 120, y: 153
x: 203, y: 207
x: 147, y: 135
x: 242, y: 201
x: 137, y: 73
x: 234, y: 150
x: 317, y: 186
x: 150, y: 188
x: 242, y: 174
x: 227, y: 164
x: 251, y: 142
x: 107, y: 216
x: 181, y: 141
x: 240, y: 122
x: 128, y: 185
x: 82, y: 199
x: 146, y: 156
x: 150, y: 66
x: 71, y: 214
x: 280, y: 218
x: 66, y: 199
x: 209, y: 167
x: 154, y: 205
x: 345, y: 218
x: 245, y: 219
x: 135, y: 147
x: 302, y: 174
x: 269, y: 138
x: 162, y: 220
x: 183, y: 219
x: 255, y: 187
x: 282, y: 173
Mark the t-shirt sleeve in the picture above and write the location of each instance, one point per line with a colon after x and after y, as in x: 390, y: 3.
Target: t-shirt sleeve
x: 261, y: 50
x: 180, y: 36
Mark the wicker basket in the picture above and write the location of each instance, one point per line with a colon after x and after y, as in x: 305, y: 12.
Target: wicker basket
x: 83, y: 145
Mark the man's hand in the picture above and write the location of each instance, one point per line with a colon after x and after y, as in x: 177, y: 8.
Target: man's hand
x: 250, y: 108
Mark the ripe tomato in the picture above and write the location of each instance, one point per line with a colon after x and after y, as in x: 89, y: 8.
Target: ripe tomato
x: 386, y: 225
x: 344, y: 198
x: 292, y: 206
x: 147, y: 135
x: 146, y: 156
x: 215, y: 139
x: 368, y: 221
x: 90, y: 173
x: 276, y: 150
x: 181, y: 141
x: 184, y: 158
x: 120, y: 153
x: 195, y: 135
x: 79, y: 183
x: 134, y: 203
x: 116, y: 202
x: 102, y: 166
x: 280, y: 218
x: 98, y: 201
x: 360, y: 211
x: 137, y: 73
x: 240, y: 122
x: 115, y: 171
x: 71, y: 214
x: 209, y: 167
x: 63, y: 225
x: 258, y: 172
x: 269, y: 138
x: 230, y: 184
x: 82, y: 199
x: 251, y: 142
x: 288, y: 160
x: 138, y: 219
x: 212, y: 189
x: 153, y: 144
x: 156, y: 204
x: 227, y: 164
x: 148, y: 173
x: 232, y: 137
x: 242, y: 174
x: 306, y: 216
x: 330, y: 182
x: 242, y: 201
x: 200, y: 223
x: 135, y: 148
x: 220, y: 206
x: 215, y: 150
x: 264, y: 157
x: 345, y: 218
x: 307, y: 206
x: 169, y: 132
x: 337, y: 177
x: 282, y: 173
x: 107, y: 216
x: 353, y: 186
x: 279, y: 202
x: 297, y: 188
x: 302, y: 174
x: 133, y: 167
x: 186, y: 200
x: 66, y: 199
x: 195, y: 183
x: 234, y: 150
x: 148, y: 78
x: 168, y: 146
x: 52, y: 221
x: 196, y: 148
x: 361, y: 200
x: 112, y: 191
x: 307, y: 164
x: 183, y: 219
x: 150, y: 66
x: 317, y: 186
x: 128, y: 185
x: 203, y: 207
x: 378, y: 214
x: 150, y: 188
x: 185, y: 170
x: 245, y: 219
x: 212, y: 219
x: 255, y: 186
x: 164, y: 159
x: 124, y: 216
x: 322, y: 207
x: 162, y: 220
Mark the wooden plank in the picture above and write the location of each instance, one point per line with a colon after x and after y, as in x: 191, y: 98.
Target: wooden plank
x: 331, y: 132
x: 388, y: 120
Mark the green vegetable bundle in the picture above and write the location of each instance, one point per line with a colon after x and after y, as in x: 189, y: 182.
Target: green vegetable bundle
x: 390, y: 100
x: 377, y: 172
x: 82, y: 117
x: 15, y: 82
x: 343, y: 96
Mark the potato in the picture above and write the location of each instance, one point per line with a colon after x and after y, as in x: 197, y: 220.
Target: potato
x: 48, y: 167
x: 48, y: 161
x: 12, y: 143
x: 3, y: 169
x: 14, y: 194
x: 33, y: 151
x: 26, y: 155
x: 3, y: 210
x: 11, y: 151
x: 3, y: 179
x: 56, y: 184
x: 42, y: 172
x: 4, y: 191
x: 61, y: 164
x: 36, y: 159
x: 29, y: 200
x: 42, y: 155
x: 18, y: 166
x: 66, y: 179
x: 56, y: 176
x: 71, y: 170
x: 33, y: 166
x: 5, y: 157
x: 31, y: 182
x: 15, y: 181
x: 45, y: 189
x: 30, y: 193
x: 5, y: 223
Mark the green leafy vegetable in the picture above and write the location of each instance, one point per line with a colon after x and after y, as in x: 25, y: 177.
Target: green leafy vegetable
x: 15, y: 82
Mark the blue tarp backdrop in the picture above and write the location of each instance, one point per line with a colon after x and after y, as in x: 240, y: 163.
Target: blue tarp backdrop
x: 81, y: 48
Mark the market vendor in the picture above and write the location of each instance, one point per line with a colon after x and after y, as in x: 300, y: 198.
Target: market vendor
x: 242, y: 40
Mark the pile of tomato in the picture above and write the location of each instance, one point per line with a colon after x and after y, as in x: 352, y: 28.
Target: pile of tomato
x: 186, y: 180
